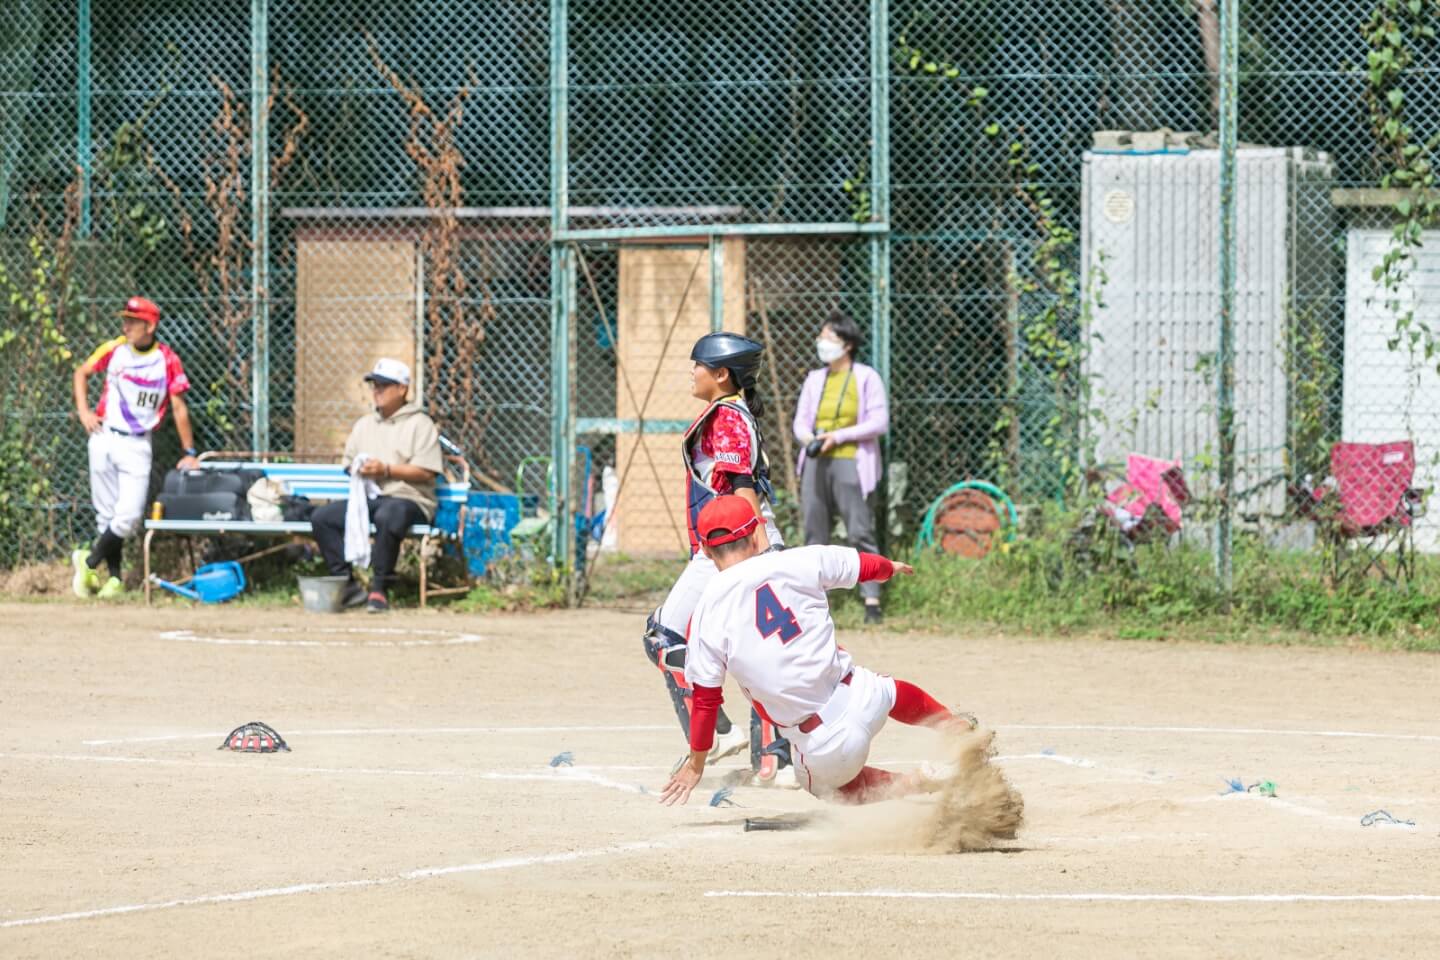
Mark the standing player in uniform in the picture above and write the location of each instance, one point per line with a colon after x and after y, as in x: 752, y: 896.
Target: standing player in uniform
x: 723, y: 454
x: 143, y: 378
x: 765, y: 619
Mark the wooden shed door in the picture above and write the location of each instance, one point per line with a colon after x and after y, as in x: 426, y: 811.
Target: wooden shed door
x: 354, y: 303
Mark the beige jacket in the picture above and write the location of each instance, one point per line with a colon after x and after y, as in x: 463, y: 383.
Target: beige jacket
x: 410, y: 436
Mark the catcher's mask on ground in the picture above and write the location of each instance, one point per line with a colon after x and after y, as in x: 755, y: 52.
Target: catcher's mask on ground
x: 254, y: 737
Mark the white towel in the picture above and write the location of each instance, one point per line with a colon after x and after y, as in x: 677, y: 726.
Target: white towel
x: 357, y: 514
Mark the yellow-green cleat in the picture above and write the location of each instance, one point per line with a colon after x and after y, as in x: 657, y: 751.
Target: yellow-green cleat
x: 113, y: 589
x: 86, y: 581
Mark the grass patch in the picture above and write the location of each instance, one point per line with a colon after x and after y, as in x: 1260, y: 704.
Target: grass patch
x: 1168, y: 593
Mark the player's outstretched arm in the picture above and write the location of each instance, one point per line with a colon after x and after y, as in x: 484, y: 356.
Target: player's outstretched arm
x: 684, y: 779
x: 877, y: 569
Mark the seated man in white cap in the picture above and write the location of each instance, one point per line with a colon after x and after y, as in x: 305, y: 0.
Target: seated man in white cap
x: 396, y: 450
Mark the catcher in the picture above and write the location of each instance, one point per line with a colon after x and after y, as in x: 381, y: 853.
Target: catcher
x: 723, y: 455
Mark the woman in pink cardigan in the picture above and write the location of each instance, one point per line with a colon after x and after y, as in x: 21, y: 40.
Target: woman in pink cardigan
x: 841, y: 416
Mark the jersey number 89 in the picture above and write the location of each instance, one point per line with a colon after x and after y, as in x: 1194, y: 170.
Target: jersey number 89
x: 771, y: 616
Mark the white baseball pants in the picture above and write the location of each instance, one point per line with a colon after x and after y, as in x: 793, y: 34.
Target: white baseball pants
x: 119, y: 480
x: 832, y: 754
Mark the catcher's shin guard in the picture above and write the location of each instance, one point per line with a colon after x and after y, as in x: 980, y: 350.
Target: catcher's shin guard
x: 769, y: 752
x: 666, y: 649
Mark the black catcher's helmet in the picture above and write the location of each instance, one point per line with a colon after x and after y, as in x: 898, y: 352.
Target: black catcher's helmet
x: 730, y: 351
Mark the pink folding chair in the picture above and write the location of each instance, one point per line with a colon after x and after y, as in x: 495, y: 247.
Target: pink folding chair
x: 1367, y: 514
x: 1150, y: 501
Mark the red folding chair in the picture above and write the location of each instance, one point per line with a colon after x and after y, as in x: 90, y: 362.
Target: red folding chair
x: 1366, y: 515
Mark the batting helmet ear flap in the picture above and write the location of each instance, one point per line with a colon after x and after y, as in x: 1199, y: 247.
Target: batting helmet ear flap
x: 730, y: 351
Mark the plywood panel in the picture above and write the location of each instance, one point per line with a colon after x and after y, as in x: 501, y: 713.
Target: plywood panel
x: 642, y: 524
x: 658, y: 322
x: 354, y: 303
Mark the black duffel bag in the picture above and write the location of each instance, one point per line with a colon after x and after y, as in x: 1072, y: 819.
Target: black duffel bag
x: 207, y: 494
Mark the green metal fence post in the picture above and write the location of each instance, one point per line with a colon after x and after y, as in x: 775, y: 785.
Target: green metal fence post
x: 880, y: 186
x: 1225, y: 359
x: 880, y: 334
x: 562, y: 440
x: 83, y: 97
x: 717, y: 283
x: 260, y: 224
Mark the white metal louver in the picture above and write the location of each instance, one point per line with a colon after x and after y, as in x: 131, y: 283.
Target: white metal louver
x: 1151, y: 224
x: 1393, y: 394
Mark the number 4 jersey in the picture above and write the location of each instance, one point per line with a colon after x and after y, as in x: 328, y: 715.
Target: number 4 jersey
x: 767, y: 622
x: 138, y: 384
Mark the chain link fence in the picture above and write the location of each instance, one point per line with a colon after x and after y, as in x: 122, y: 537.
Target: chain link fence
x: 1049, y: 213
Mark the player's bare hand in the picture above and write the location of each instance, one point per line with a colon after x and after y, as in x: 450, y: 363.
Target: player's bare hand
x: 188, y: 463
x: 89, y: 421
x: 901, y: 567
x: 682, y: 782
x: 372, y: 468
x: 827, y: 442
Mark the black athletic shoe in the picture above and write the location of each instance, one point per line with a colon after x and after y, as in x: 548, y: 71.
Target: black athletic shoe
x: 376, y: 603
x: 873, y: 614
x: 354, y: 595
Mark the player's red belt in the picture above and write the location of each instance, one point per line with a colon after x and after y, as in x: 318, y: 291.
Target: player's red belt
x: 813, y: 721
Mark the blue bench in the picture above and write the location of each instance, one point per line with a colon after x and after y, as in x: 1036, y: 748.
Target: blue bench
x: 319, y: 482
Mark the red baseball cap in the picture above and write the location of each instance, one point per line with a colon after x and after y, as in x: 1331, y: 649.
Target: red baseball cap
x: 138, y: 308
x: 725, y: 520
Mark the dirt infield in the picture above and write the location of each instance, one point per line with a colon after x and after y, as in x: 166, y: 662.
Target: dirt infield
x: 419, y: 815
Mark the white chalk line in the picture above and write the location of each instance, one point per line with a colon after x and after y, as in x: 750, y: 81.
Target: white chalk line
x: 1085, y: 897
x: 438, y: 638
x: 474, y: 731
x: 424, y: 873
x: 393, y: 732
x: 1082, y: 763
x: 549, y: 775
x: 1299, y: 809
x: 1221, y: 731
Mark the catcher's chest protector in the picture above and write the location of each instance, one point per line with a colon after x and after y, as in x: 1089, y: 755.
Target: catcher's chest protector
x: 697, y: 492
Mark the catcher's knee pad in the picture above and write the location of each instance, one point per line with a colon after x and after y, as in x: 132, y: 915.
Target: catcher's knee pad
x: 665, y: 648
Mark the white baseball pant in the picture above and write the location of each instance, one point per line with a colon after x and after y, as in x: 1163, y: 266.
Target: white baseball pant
x: 832, y: 754
x: 119, y: 480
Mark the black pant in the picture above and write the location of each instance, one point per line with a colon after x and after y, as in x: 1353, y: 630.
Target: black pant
x: 391, y: 516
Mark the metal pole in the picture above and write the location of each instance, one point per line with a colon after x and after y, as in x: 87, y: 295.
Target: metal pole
x: 880, y: 335
x: 717, y: 284
x: 260, y: 223
x: 83, y: 150
x: 562, y: 441
x: 1225, y: 359
x: 689, y: 231
x: 880, y: 186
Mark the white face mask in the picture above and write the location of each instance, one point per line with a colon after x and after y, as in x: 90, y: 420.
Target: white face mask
x: 829, y: 350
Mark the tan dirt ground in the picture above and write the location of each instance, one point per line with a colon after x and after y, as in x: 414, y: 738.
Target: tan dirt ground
x: 446, y: 833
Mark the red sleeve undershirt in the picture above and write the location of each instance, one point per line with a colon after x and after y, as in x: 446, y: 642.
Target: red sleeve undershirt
x: 874, y: 567
x: 703, y: 710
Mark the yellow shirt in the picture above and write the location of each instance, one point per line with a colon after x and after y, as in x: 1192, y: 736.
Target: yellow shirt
x: 839, y: 408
